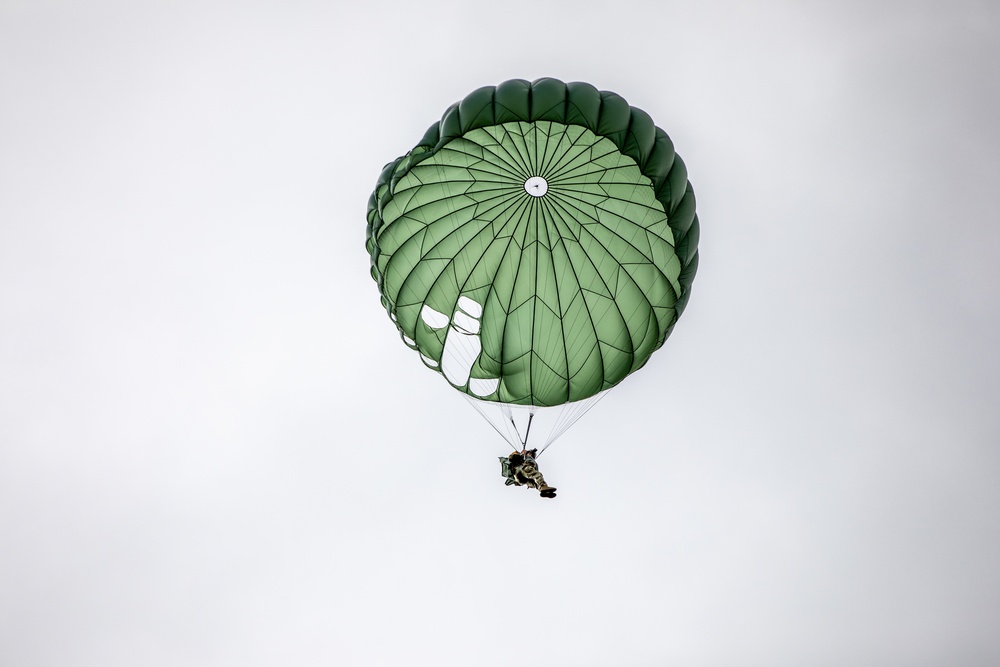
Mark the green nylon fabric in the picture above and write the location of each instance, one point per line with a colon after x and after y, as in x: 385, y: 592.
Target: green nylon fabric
x: 535, y: 300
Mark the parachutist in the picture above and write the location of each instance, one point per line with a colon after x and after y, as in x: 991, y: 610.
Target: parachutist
x: 521, y: 469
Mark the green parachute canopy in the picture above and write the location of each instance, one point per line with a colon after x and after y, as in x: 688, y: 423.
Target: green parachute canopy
x: 538, y: 244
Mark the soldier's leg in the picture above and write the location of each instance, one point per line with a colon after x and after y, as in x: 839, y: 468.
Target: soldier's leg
x: 534, y: 475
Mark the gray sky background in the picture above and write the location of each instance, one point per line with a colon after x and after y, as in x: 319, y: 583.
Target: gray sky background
x: 214, y: 449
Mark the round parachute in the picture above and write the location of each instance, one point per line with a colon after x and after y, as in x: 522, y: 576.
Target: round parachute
x: 537, y: 245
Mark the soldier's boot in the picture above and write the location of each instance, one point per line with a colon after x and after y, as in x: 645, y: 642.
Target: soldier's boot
x: 538, y: 482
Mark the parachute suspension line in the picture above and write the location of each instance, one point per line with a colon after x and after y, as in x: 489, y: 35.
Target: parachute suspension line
x: 527, y: 431
x: 505, y: 409
x: 517, y: 424
x: 505, y: 436
x: 569, y: 415
x: 575, y: 414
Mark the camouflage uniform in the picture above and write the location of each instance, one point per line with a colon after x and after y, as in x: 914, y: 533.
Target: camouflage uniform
x: 520, y: 469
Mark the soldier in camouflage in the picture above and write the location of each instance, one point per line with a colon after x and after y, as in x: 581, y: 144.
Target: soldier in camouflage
x: 521, y: 469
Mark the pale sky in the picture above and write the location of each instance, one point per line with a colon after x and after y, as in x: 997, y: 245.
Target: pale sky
x: 215, y: 450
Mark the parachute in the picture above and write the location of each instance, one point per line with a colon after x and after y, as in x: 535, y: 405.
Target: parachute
x: 535, y: 248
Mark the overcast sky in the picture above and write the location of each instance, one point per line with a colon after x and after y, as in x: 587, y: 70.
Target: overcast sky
x: 215, y: 450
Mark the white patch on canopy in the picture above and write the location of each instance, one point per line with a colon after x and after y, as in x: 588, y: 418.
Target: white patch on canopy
x: 470, y: 306
x: 433, y: 318
x: 484, y: 386
x: 462, y: 346
x: 465, y: 324
x: 460, y: 353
